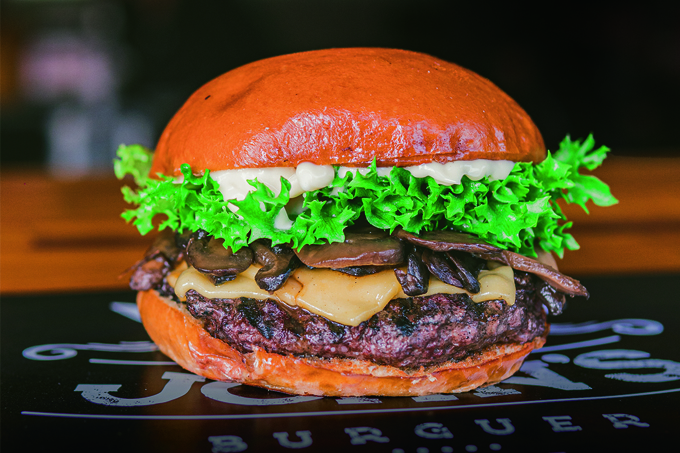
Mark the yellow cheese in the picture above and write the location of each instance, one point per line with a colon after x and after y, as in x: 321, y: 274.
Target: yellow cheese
x: 340, y: 297
x: 498, y: 283
x: 242, y: 286
x: 438, y: 287
x: 175, y: 273
x: 344, y: 298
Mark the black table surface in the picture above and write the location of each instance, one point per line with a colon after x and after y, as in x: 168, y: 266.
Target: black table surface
x: 79, y: 373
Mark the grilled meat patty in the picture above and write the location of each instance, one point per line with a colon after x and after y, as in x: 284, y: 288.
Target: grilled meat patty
x: 408, y: 333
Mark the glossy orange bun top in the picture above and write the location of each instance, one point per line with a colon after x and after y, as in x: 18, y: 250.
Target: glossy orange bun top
x: 345, y: 107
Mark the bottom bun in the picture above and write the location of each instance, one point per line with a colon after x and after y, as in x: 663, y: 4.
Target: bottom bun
x: 183, y: 339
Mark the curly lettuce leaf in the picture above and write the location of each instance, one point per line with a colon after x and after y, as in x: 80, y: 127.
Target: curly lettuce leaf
x: 517, y: 213
x: 585, y: 187
x: 134, y: 160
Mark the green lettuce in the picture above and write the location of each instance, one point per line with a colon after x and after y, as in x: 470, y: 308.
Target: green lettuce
x: 517, y: 213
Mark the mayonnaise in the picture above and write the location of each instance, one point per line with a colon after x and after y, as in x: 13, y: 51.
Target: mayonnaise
x: 308, y: 176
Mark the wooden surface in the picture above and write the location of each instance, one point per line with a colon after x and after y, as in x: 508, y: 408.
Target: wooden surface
x: 67, y: 235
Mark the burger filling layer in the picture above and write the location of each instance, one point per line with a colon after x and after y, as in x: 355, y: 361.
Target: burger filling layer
x: 400, y: 300
x: 339, y: 297
x: 409, y: 332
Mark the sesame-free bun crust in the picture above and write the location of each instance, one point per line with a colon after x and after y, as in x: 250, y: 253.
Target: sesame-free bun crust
x: 345, y: 107
x: 184, y: 340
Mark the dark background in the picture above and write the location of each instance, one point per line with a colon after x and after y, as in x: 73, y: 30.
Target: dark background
x: 88, y: 75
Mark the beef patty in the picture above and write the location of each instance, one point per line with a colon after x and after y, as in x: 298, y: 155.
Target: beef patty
x: 408, y: 333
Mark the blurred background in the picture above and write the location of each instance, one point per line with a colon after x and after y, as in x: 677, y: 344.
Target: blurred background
x: 79, y: 77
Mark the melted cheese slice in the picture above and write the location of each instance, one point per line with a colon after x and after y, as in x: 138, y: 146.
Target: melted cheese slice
x: 498, y: 283
x: 336, y: 296
x: 242, y: 286
x: 344, y: 298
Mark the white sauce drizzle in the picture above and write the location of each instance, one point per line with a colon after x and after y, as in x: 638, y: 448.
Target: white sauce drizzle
x: 308, y: 176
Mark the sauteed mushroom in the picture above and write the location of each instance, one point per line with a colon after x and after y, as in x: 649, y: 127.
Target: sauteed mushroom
x: 277, y: 262
x: 416, y: 280
x: 360, y: 271
x: 450, y: 240
x: 208, y: 255
x: 468, y: 269
x: 442, y: 268
x: 553, y: 299
x: 362, y: 247
x: 157, y: 262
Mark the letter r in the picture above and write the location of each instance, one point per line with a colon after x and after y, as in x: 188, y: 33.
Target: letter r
x: 622, y: 421
x: 362, y: 434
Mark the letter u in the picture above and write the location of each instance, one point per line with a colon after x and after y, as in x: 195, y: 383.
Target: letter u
x: 486, y: 426
x: 284, y: 441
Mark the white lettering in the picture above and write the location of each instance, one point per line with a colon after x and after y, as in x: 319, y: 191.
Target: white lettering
x: 66, y: 351
x: 433, y: 431
x: 541, y: 376
x: 492, y: 390
x: 435, y: 397
x: 178, y: 385
x: 620, y: 326
x: 623, y: 421
x: 363, y: 434
x: 505, y: 423
x: 227, y: 444
x: 562, y: 424
x: 220, y: 391
x: 127, y: 309
x: 576, y: 345
x: 555, y: 358
x: 284, y: 441
x: 602, y: 360
x: 357, y: 400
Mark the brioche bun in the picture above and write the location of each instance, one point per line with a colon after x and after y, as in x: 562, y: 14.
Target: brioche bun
x: 346, y: 107
x: 183, y: 339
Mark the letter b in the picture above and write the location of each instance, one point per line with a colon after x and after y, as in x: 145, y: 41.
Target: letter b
x: 227, y: 444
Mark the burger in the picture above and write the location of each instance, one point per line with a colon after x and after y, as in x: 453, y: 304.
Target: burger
x: 352, y: 222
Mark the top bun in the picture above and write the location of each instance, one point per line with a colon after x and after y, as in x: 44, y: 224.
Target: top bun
x: 345, y: 107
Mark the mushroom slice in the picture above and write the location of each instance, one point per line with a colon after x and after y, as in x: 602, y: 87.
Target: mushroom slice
x: 277, y: 262
x: 444, y: 241
x: 209, y: 256
x: 562, y: 283
x: 218, y: 280
x: 361, y: 247
x: 149, y: 273
x: 166, y: 245
x: 182, y: 239
x: 360, y: 271
x: 416, y: 280
x: 468, y: 269
x: 439, y: 265
x: 553, y: 299
x: 158, y: 259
